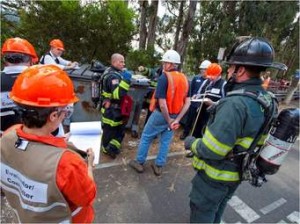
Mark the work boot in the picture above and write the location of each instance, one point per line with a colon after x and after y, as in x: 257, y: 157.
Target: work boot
x: 156, y: 169
x: 110, y: 154
x: 183, y: 136
x: 136, y: 166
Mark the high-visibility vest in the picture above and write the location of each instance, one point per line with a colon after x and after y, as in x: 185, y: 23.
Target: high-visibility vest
x: 176, y: 93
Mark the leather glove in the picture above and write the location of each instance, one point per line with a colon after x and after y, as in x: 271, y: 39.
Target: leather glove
x: 188, y: 142
x: 126, y: 75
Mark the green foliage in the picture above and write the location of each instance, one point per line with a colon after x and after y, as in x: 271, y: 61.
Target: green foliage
x: 146, y: 58
x: 220, y: 22
x: 90, y: 31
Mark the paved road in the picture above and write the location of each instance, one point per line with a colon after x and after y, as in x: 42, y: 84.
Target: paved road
x: 125, y: 196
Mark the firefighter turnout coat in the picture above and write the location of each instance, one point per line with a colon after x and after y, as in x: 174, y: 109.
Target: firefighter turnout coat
x: 232, y: 126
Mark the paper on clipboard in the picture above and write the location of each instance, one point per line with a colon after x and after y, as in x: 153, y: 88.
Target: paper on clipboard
x: 86, y: 135
x: 200, y: 100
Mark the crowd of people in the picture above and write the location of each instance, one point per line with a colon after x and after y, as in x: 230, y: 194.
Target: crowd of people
x: 37, y: 98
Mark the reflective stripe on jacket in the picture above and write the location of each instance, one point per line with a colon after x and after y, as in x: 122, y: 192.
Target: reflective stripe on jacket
x: 232, y: 127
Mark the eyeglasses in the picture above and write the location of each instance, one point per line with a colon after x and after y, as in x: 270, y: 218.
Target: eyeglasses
x: 68, y: 110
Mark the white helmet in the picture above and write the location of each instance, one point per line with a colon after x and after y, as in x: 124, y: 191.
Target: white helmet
x: 171, y: 56
x: 205, y: 64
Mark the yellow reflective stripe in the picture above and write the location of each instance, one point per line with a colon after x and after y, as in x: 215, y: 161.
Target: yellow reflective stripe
x: 194, y: 146
x: 154, y: 84
x: 262, y: 140
x: 124, y: 85
x: 116, y: 94
x: 213, y: 172
x: 244, y: 142
x: 115, y: 143
x: 106, y: 94
x: 214, y: 145
x: 111, y: 122
x: 102, y: 110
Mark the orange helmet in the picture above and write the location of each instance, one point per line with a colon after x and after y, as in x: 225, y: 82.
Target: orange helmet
x: 19, y: 45
x: 213, y: 71
x: 57, y: 43
x: 43, y: 86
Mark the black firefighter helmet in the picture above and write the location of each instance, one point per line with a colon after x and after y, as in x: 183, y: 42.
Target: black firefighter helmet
x: 254, y: 51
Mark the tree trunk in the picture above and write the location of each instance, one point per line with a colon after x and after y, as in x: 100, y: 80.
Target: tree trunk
x: 187, y: 28
x: 291, y: 90
x: 178, y: 24
x: 143, y: 28
x: 152, y: 24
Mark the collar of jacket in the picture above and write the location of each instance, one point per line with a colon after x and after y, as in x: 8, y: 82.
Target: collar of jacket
x: 250, y: 85
x: 49, y: 140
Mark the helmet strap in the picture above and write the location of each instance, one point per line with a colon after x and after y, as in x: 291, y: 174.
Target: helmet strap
x: 231, y: 81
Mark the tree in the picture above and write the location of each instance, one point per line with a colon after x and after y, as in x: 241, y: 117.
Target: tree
x: 94, y: 30
x: 187, y: 28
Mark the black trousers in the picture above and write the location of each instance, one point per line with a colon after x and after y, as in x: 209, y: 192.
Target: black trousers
x: 112, y: 137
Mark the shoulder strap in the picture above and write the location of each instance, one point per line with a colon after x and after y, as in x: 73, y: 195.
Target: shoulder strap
x: 269, y: 103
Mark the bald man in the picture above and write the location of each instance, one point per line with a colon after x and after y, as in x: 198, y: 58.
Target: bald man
x: 115, y: 85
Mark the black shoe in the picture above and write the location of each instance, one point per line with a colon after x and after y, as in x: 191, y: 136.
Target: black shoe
x: 156, y: 169
x: 190, y: 155
x: 183, y: 136
x: 110, y: 154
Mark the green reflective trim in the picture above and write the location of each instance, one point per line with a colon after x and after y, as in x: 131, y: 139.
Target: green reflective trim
x: 111, y: 122
x: 115, y: 143
x: 213, y: 172
x: 124, y: 85
x: 102, y: 110
x: 116, y: 94
x: 262, y: 140
x: 244, y: 142
x: 194, y: 146
x: 153, y: 83
x: 106, y: 94
x: 214, y: 145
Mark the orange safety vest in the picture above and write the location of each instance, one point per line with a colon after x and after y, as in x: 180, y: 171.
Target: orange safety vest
x: 176, y: 93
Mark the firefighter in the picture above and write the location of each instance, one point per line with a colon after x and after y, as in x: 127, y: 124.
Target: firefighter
x: 196, y: 84
x: 234, y: 124
x: 43, y: 180
x: 17, y: 55
x: 115, y: 85
x: 170, y: 103
x: 54, y: 56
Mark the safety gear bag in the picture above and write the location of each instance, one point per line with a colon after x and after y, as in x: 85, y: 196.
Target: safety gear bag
x: 126, y: 105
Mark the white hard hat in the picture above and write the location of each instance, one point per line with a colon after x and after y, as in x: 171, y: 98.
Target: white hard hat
x: 171, y: 56
x: 205, y: 64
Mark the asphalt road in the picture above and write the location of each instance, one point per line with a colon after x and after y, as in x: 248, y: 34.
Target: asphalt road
x: 125, y: 196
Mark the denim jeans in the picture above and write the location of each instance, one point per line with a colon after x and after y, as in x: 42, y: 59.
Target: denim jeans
x: 155, y: 126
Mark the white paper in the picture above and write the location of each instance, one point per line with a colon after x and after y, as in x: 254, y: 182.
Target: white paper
x: 86, y: 135
x: 200, y: 100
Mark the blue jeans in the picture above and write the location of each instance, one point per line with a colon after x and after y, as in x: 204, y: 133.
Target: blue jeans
x: 155, y: 126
